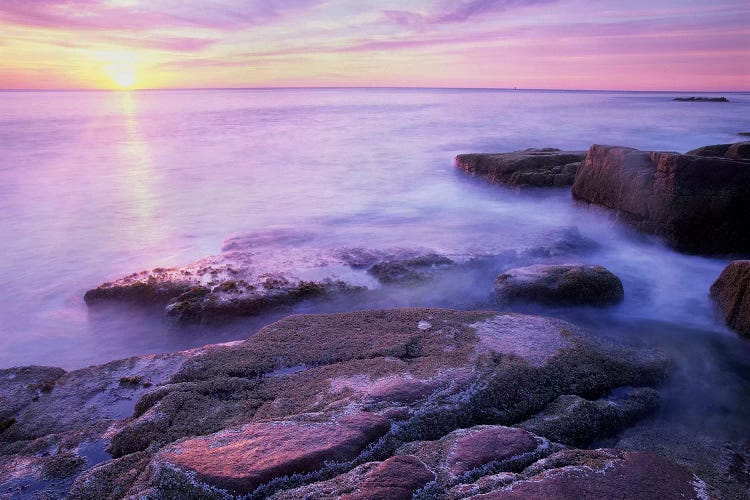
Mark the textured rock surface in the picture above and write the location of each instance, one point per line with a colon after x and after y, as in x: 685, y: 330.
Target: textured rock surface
x: 697, y: 203
x: 731, y: 291
x: 576, y: 421
x: 240, y: 460
x: 530, y: 167
x: 209, y: 292
x: 598, y: 474
x: 370, y: 404
x: 563, y: 284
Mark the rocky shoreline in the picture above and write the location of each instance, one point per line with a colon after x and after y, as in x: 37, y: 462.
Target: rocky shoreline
x: 398, y: 403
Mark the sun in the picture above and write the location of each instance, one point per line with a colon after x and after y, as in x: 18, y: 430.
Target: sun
x: 122, y: 72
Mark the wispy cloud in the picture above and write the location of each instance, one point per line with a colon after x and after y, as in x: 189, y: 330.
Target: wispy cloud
x: 154, y: 14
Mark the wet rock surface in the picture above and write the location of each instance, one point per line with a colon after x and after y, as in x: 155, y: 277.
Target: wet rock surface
x: 731, y: 292
x: 414, y: 269
x: 604, y: 473
x: 696, y: 203
x: 387, y: 403
x: 560, y: 284
x: 545, y: 167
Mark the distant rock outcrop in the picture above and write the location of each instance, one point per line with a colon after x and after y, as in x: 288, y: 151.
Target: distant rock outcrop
x: 530, y: 168
x: 731, y: 291
x: 701, y: 99
x: 698, y: 201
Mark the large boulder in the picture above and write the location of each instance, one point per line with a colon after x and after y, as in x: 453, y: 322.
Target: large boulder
x: 560, y: 284
x: 698, y: 204
x: 731, y: 291
x: 530, y: 167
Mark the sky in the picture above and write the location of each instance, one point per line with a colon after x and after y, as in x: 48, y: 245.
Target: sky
x: 683, y: 45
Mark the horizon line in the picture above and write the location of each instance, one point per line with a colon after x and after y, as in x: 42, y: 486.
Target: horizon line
x: 363, y: 87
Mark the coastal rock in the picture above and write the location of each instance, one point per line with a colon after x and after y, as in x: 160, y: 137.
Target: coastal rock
x: 731, y: 291
x: 603, y: 473
x: 465, y: 454
x: 396, y: 478
x: 697, y: 204
x: 701, y: 99
x: 414, y: 269
x: 324, y: 401
x: 576, y: 421
x: 239, y: 460
x: 530, y: 167
x: 208, y: 292
x: 563, y: 284
x: 734, y: 151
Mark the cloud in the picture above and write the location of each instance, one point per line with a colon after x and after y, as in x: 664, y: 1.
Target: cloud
x: 459, y: 11
x: 145, y: 15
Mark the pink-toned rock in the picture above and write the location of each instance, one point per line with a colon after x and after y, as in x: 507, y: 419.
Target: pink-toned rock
x: 484, y: 444
x: 395, y: 479
x: 241, y: 459
x: 604, y: 474
x: 699, y: 204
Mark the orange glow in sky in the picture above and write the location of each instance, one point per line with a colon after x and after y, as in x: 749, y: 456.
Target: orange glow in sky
x: 565, y: 44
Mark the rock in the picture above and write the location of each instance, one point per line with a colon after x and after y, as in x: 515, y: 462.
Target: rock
x: 701, y: 99
x: 241, y: 459
x: 697, y: 204
x: 326, y: 398
x: 731, y: 291
x: 734, y: 151
x: 603, y: 473
x: 466, y: 453
x: 396, y: 478
x: 531, y: 167
x: 561, y: 284
x: 20, y: 386
x: 209, y: 292
x: 576, y: 421
x: 414, y: 269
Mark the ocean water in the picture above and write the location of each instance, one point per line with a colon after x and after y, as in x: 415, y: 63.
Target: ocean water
x: 96, y: 185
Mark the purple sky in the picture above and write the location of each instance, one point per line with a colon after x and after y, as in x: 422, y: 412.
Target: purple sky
x: 571, y: 44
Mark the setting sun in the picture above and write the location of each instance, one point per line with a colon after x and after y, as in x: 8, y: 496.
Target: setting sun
x: 122, y: 72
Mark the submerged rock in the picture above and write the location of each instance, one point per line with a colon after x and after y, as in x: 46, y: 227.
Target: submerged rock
x: 697, y: 203
x: 530, y: 167
x: 409, y: 270
x: 562, y: 284
x: 731, y: 291
x: 390, y: 402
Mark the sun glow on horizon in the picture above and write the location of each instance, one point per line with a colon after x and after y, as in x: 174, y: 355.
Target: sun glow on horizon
x: 121, y: 69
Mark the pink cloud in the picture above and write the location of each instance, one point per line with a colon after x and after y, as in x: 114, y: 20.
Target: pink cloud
x: 97, y: 15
